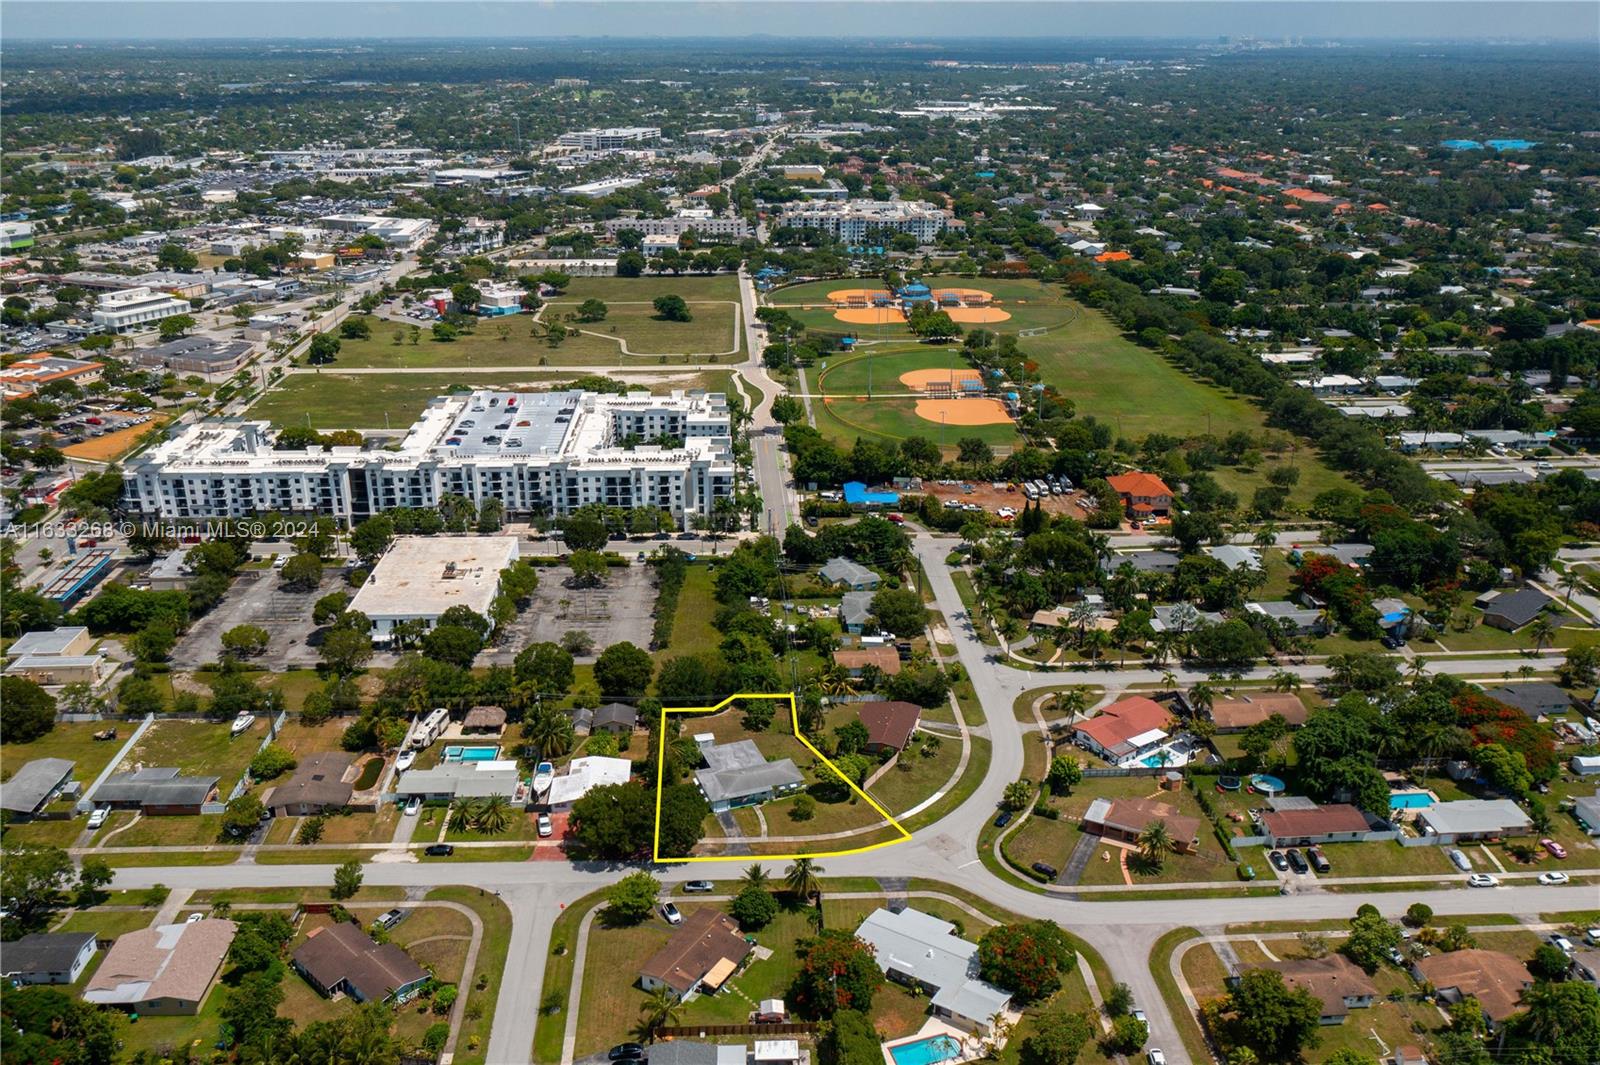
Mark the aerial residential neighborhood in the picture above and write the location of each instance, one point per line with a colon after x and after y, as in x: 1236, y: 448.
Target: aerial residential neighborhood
x: 800, y: 534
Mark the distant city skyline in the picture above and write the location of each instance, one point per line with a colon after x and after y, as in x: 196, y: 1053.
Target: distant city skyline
x: 1442, y: 20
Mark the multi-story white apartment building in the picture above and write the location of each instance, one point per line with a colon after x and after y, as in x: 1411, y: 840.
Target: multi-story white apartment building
x: 852, y: 221
x: 705, y: 223
x: 608, y: 139
x: 119, y: 312
x: 538, y: 453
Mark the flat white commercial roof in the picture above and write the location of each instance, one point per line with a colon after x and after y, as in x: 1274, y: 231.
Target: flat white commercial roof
x: 423, y: 576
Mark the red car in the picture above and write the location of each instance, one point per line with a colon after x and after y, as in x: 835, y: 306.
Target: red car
x: 1553, y: 847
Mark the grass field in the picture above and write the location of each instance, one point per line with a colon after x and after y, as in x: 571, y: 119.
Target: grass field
x: 890, y: 414
x: 713, y: 331
x: 70, y: 740
x: 197, y: 748
x: 330, y: 400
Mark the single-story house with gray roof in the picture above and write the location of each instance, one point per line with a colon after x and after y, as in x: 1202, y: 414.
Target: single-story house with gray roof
x: 157, y: 790
x: 47, y: 957
x: 1472, y: 819
x: 855, y: 611
x: 34, y: 785
x: 1512, y: 610
x: 1537, y: 698
x: 852, y: 575
x: 738, y: 774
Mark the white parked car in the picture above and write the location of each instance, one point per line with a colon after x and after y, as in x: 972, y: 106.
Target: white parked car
x: 1554, y: 878
x: 412, y: 807
x: 545, y: 827
x: 1482, y: 880
x: 1155, y: 1057
x: 670, y: 912
x: 98, y: 817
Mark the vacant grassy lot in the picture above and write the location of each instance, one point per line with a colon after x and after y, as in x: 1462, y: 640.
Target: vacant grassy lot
x: 197, y: 748
x: 713, y: 330
x: 331, y: 400
x: 72, y: 741
x: 922, y: 768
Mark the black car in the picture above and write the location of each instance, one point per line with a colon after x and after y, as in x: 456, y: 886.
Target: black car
x: 1393, y: 642
x: 439, y: 850
x: 1296, y: 862
x: 1045, y: 870
x: 1003, y: 820
x: 1279, y: 862
x: 625, y: 1052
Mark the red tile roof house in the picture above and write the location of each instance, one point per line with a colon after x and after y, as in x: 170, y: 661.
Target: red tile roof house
x: 1144, y: 495
x: 1124, y: 819
x: 1336, y: 823
x: 1124, y: 728
x: 890, y: 725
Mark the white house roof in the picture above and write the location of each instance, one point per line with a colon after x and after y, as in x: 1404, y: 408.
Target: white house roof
x: 584, y: 774
x: 925, y: 948
x: 54, y: 642
x: 1471, y: 816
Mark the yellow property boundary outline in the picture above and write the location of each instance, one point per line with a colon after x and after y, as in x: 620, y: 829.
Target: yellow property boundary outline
x: 794, y: 721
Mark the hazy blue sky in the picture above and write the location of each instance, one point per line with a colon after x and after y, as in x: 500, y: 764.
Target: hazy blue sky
x: 1435, y: 19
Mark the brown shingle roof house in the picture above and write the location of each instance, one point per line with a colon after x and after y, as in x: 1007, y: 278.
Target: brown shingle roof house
x: 1339, y: 984
x: 890, y: 725
x: 1316, y: 824
x: 1124, y: 819
x: 317, y: 785
x: 343, y: 958
x: 705, y: 950
x: 886, y: 658
x: 166, y: 970
x: 1496, y: 980
x: 1231, y: 715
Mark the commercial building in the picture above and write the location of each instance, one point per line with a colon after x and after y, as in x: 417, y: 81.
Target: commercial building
x: 420, y: 577
x: 604, y: 140
x: 119, y: 312
x: 197, y: 355
x: 60, y: 656
x: 705, y: 224
x: 405, y: 234
x: 167, y: 970
x: 26, y: 376
x: 537, y: 453
x: 703, y: 952
x: 918, y: 950
x: 853, y: 221
x: 342, y: 959
x: 47, y: 957
x: 497, y: 298
x: 738, y: 774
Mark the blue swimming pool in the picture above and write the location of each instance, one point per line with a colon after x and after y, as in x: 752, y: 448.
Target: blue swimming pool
x: 1410, y: 800
x: 471, y: 754
x: 1266, y: 784
x: 929, y: 1051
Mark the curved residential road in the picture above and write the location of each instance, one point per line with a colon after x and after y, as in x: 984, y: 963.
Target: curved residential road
x: 1123, y: 931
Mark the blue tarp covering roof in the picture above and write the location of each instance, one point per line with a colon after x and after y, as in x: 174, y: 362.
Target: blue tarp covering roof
x: 856, y: 492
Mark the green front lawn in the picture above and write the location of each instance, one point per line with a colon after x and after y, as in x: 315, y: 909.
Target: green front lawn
x: 73, y: 741
x: 198, y: 748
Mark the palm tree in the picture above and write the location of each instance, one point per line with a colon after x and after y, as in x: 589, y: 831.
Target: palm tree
x: 1285, y: 680
x: 1169, y: 679
x: 464, y: 814
x: 755, y: 877
x: 549, y: 731
x: 1081, y: 613
x: 659, y: 1010
x: 1543, y: 632
x: 1155, y: 843
x: 801, y: 879
x: 1201, y: 697
x: 1570, y: 581
x: 1072, y: 702
x: 1416, y: 669
x: 494, y: 816
x: 1095, y: 643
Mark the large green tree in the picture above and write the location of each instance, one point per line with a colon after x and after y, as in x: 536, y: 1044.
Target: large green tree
x: 1274, y: 1020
